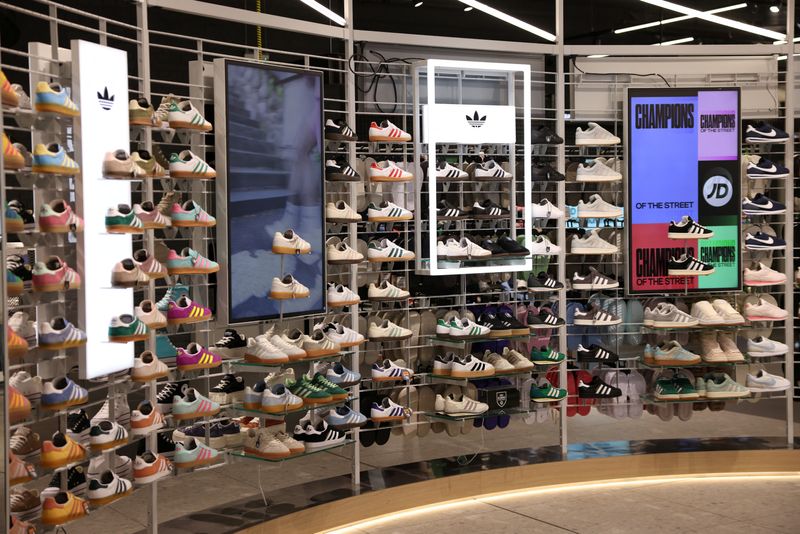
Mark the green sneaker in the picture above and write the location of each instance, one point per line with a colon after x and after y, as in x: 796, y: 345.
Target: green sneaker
x: 547, y: 393
x: 546, y: 356
x: 307, y: 391
x: 336, y: 392
x: 686, y: 389
x: 721, y: 386
x: 666, y: 389
x: 122, y: 220
x: 126, y: 328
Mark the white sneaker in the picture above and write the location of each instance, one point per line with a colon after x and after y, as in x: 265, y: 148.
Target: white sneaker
x: 464, y: 250
x: 385, y: 250
x: 340, y: 296
x: 342, y: 335
x: 761, y: 347
x: 592, y: 244
x: 21, y: 324
x: 122, y: 412
x: 259, y: 443
x: 520, y: 362
x: 500, y: 364
x: 706, y: 314
x: 387, y: 132
x: 386, y: 292
x: 106, y: 435
x: 387, y: 331
x: 277, y: 398
x: 597, y: 172
x: 597, y: 207
x: 763, y: 382
x: 489, y: 170
x: 388, y: 212
x: 318, y: 345
x: 459, y: 408
x: 465, y: 329
x: 186, y: 164
x: 289, y: 242
x: 288, y: 288
x: 30, y: 386
x: 542, y: 246
x: 292, y: 350
x: 389, y: 371
x: 342, y: 254
x: 341, y: 212
x: 184, y: 115
x: 388, y: 171
x: 470, y: 367
x: 764, y: 311
x: 261, y: 350
x: 730, y: 316
x: 546, y: 210
x: 763, y: 276
x: 388, y: 410
x: 595, y: 135
x: 445, y: 171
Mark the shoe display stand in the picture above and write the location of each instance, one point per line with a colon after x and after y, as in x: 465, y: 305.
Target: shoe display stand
x: 454, y: 295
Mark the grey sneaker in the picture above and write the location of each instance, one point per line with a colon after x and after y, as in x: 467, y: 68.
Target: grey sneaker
x: 592, y: 244
x: 595, y: 280
x: 596, y: 316
x: 668, y: 316
x: 721, y: 386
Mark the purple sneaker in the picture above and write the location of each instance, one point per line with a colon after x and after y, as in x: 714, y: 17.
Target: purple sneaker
x: 184, y: 311
x: 232, y: 432
x: 198, y: 431
x: 195, y: 357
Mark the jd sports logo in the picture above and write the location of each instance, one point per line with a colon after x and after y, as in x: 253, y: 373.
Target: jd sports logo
x: 502, y: 398
x: 717, y: 191
x: 476, y: 121
x: 106, y: 101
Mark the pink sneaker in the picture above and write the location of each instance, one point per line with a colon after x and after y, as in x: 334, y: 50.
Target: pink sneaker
x: 54, y: 275
x: 191, y: 214
x: 58, y: 217
x: 196, y: 357
x: 149, y: 265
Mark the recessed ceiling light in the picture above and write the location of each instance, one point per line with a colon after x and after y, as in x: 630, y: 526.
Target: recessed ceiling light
x: 325, y: 11
x: 775, y: 9
x: 418, y: 4
x: 678, y: 19
x: 467, y: 9
x: 505, y: 17
x: 716, y: 19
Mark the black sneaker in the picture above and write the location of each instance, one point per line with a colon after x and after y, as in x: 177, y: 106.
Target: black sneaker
x: 447, y: 211
x: 544, y: 319
x: 543, y: 135
x: 232, y: 345
x: 543, y: 282
x: 24, y: 213
x: 543, y: 172
x: 318, y: 437
x: 488, y: 210
x: 339, y: 131
x: 688, y: 228
x: 595, y: 280
x: 229, y: 390
x: 17, y: 265
x: 76, y: 482
x: 597, y: 389
x: 169, y: 392
x: 511, y: 247
x: 165, y: 445
x: 79, y: 426
x: 763, y: 132
x: 340, y: 171
x: 595, y: 353
x: 491, y: 245
x: 688, y: 266
x: 517, y: 328
x: 762, y: 205
x: 497, y: 327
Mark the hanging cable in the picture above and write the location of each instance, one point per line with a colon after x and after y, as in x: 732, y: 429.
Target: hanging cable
x: 572, y: 59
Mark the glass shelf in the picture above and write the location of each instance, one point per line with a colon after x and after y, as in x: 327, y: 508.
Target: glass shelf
x: 439, y: 340
x: 432, y: 378
x: 307, y: 407
x: 691, y: 365
x: 490, y: 413
x: 650, y: 399
x: 264, y: 366
x: 698, y: 328
x: 242, y: 454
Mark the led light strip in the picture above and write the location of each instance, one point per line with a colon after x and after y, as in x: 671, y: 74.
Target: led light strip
x: 319, y: 8
x: 505, y: 17
x: 678, y: 19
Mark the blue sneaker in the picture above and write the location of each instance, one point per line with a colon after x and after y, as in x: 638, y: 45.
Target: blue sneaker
x: 759, y: 168
x: 62, y: 393
x: 217, y: 438
x: 342, y: 376
x: 762, y: 205
x: 763, y: 241
x: 193, y: 453
x: 762, y: 132
x: 54, y: 98
x: 174, y: 293
x: 60, y: 334
x: 53, y: 159
x: 14, y: 222
x: 343, y: 418
x: 165, y: 348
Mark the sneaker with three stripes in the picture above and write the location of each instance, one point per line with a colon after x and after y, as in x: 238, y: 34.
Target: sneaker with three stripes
x: 388, y: 171
x: 462, y: 407
x: 597, y: 389
x: 688, y: 266
x: 490, y: 171
x: 388, y: 410
x: 387, y: 211
x: 543, y: 282
x: 595, y: 353
x: 389, y: 371
x: 339, y: 131
x: 595, y: 280
x: 447, y: 211
x: 543, y: 319
x: 595, y: 316
x: 470, y: 367
x: 340, y: 171
x: 547, y: 393
x: 387, y: 132
x: 446, y: 172
x: 688, y: 228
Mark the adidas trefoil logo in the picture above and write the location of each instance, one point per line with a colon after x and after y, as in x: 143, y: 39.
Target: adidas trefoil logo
x: 106, y: 101
x: 476, y: 121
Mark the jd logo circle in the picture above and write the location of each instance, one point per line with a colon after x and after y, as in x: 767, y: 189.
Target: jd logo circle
x: 717, y: 190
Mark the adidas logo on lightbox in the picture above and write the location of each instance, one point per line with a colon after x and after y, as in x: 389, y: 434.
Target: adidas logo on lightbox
x: 106, y: 101
x: 476, y: 121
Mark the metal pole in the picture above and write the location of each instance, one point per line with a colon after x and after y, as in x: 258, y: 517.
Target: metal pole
x: 789, y: 226
x: 4, y: 359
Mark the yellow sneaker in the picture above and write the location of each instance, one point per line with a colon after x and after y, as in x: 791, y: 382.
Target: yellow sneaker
x: 63, y: 507
x: 12, y: 158
x: 53, y: 159
x: 61, y: 451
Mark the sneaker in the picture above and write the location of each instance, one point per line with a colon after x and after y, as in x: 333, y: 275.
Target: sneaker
x: 19, y: 470
x: 168, y: 393
x: 119, y: 165
x: 148, y: 167
x: 54, y: 275
x: 546, y: 210
x: 254, y: 395
x: 122, y: 412
x: 19, y: 407
x: 62, y: 508
x: 342, y: 376
x: 685, y: 388
x: 543, y: 135
x: 30, y: 386
x: 263, y: 444
x: 711, y: 352
x: 62, y: 393
x: 688, y: 266
x: 57, y: 217
x: 340, y: 171
x: 388, y: 171
x: 14, y: 284
x: 386, y: 292
x: 339, y: 131
x: 463, y: 407
x: 192, y: 453
x: 318, y: 345
x: 666, y: 389
x: 595, y: 316
x: 340, y: 296
x: 722, y: 386
x: 343, y: 254
x: 60, y: 334
x: 470, y: 367
x: 141, y: 113
x: 190, y: 215
x: 759, y: 167
x: 544, y: 320
x: 195, y: 357
x: 340, y: 335
x: 764, y: 311
x: 310, y: 393
x: 543, y: 282
x: 447, y: 173
x: 278, y: 399
x: 231, y: 431
x: 761, y: 347
x: 597, y: 207
x: 149, y: 467
x: 762, y: 241
x: 53, y: 159
x: 147, y: 418
x: 289, y: 242
x: 184, y: 115
x: 21, y: 213
x: 597, y: 389
x: 511, y: 247
x: 388, y: 410
x: 389, y: 371
x: 597, y: 172
x: 344, y: 418
x: 592, y: 244
x: 336, y: 392
x: 187, y: 165
x: 293, y: 348
x: 13, y: 221
x: 151, y: 218
x: 25, y: 504
x: 192, y: 406
x: 443, y: 364
x: 174, y: 293
x: 465, y: 250
x: 707, y: 314
x: 231, y: 345
x: 490, y: 171
x: 108, y: 488
x: 673, y: 353
x: 762, y: 205
x: 467, y: 329
x: 763, y: 276
x: 542, y: 246
x: 688, y: 228
x: 500, y: 364
x: 125, y: 328
x: 387, y: 331
x: 17, y: 346
x: 593, y: 281
x: 341, y: 212
x: 9, y: 98
x: 727, y: 343
x: 149, y: 265
x: 61, y: 451
x: 762, y: 132
x: 25, y: 443
x: 288, y: 288
x: 122, y: 220
x: 187, y: 311
x: 387, y: 132
x: 387, y: 211
x: 488, y: 209
x: 667, y: 315
x: 54, y: 98
x: 147, y: 367
x: 228, y: 390
x: 498, y: 327
x: 595, y: 135
x: 547, y: 393
x: 147, y: 313
x: 79, y: 427
x: 595, y: 353
x: 763, y: 382
x: 544, y: 172
x: 729, y: 315
x: 319, y: 437
x: 106, y: 435
x: 260, y: 350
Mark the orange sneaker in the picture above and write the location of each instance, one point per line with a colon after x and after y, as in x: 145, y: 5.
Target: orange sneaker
x: 62, y: 508
x: 12, y: 157
x: 150, y: 467
x: 17, y: 346
x: 19, y: 407
x: 18, y: 526
x: 19, y: 470
x: 9, y: 96
x: 61, y: 451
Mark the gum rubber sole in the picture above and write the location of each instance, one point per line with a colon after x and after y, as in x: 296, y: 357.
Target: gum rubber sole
x: 194, y: 415
x: 111, y: 498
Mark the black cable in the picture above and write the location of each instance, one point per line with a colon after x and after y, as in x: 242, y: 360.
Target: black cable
x: 572, y: 59
x: 376, y: 74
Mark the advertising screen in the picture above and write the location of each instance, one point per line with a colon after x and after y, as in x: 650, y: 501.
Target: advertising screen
x: 683, y: 159
x: 275, y: 183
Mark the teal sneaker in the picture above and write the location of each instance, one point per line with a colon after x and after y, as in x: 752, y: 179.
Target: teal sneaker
x: 721, y: 386
x: 686, y: 390
x: 546, y: 356
x: 547, y: 393
x: 165, y: 348
x: 700, y: 386
x: 189, y: 261
x: 191, y: 453
x: 193, y: 405
x: 665, y: 389
x: 173, y: 294
x: 53, y: 159
x: 54, y: 98
x: 673, y: 353
x: 191, y: 215
x: 13, y: 221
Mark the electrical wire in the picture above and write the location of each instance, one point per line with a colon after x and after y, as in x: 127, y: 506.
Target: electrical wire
x: 376, y: 74
x: 572, y: 60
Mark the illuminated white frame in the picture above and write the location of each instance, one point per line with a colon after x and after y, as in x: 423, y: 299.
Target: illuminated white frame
x: 432, y: 64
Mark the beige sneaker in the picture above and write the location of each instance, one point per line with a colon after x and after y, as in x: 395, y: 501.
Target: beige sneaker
x: 317, y: 345
x: 120, y: 165
x: 127, y: 273
x: 149, y: 315
x: 728, y: 345
x: 728, y: 313
x: 150, y: 216
x: 711, y: 351
x: 520, y: 362
x: 141, y: 113
x: 259, y: 442
x: 147, y: 367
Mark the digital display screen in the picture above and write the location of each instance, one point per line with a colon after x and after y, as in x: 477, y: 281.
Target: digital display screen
x: 275, y: 182
x: 683, y: 159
